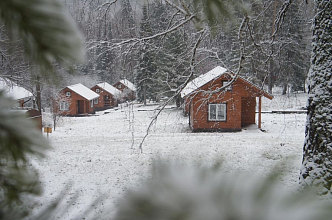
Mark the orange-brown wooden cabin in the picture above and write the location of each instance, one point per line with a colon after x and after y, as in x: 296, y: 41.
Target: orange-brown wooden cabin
x: 76, y: 100
x: 127, y: 88
x: 108, y: 96
x: 215, y: 104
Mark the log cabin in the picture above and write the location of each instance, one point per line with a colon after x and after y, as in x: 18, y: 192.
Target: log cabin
x: 127, y: 88
x: 108, y: 96
x: 76, y: 100
x: 221, y: 101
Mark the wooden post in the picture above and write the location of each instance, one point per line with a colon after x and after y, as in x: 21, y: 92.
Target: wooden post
x: 260, y: 112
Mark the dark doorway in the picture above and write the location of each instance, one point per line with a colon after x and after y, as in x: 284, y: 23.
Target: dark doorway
x: 80, y: 106
x: 248, y: 107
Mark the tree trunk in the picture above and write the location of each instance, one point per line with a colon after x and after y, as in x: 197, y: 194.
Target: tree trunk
x: 284, y: 88
x: 144, y: 94
x: 271, y: 75
x: 317, y: 151
x: 38, y: 93
x: 270, y: 79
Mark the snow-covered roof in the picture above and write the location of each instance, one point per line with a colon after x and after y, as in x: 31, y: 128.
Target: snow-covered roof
x: 109, y: 88
x: 202, y: 80
x: 83, y: 91
x: 14, y: 91
x: 128, y: 84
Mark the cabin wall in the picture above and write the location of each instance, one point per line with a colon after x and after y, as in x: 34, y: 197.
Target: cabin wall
x: 76, y: 103
x: 233, y: 99
x: 103, y: 102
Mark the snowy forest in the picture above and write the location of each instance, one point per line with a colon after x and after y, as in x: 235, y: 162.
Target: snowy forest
x: 156, y: 46
x: 283, y: 46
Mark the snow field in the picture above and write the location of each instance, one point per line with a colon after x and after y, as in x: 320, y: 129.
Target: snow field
x: 98, y: 155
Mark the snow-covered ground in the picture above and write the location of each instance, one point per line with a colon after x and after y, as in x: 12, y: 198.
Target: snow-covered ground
x: 99, y: 155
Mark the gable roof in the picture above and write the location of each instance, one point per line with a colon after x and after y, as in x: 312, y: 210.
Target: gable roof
x: 14, y: 91
x: 202, y: 80
x: 83, y: 91
x: 128, y: 84
x: 213, y: 74
x: 109, y: 88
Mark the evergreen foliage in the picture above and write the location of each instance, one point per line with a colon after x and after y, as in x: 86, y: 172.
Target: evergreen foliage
x: 194, y: 193
x: 19, y: 140
x: 173, y: 62
x: 47, y: 31
x: 293, y: 56
x: 48, y: 35
x: 144, y: 79
x: 127, y: 19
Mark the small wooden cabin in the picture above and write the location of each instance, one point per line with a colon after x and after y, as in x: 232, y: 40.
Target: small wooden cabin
x: 213, y: 103
x: 127, y: 88
x: 108, y: 96
x: 76, y: 100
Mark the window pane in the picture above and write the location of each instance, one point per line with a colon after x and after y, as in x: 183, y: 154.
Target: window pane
x: 212, y: 112
x: 221, y: 112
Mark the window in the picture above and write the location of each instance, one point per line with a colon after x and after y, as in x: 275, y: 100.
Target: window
x: 96, y: 101
x: 91, y: 103
x: 64, y: 106
x: 229, y: 88
x: 68, y: 94
x: 119, y: 86
x: 217, y: 112
x: 97, y: 90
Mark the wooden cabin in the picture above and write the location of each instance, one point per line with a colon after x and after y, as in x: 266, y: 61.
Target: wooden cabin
x: 108, y: 96
x: 213, y: 103
x: 76, y: 100
x: 127, y: 88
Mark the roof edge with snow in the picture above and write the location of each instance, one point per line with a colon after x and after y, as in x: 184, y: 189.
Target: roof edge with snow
x: 211, y: 75
x: 83, y: 91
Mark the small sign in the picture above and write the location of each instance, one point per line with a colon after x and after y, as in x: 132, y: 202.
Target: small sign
x: 48, y: 130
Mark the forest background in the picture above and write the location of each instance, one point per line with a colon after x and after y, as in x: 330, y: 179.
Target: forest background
x: 154, y: 45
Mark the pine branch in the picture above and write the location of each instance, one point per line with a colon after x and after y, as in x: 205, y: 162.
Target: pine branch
x: 46, y: 29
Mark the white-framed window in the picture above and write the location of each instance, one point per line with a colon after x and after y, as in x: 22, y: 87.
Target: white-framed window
x: 91, y: 103
x: 64, y: 106
x: 97, y: 90
x: 119, y: 86
x: 225, y: 83
x: 217, y: 112
x: 96, y: 101
x: 68, y: 94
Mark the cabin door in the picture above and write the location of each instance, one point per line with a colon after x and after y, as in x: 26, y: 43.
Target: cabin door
x: 248, y: 107
x: 107, y: 100
x: 80, y: 107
